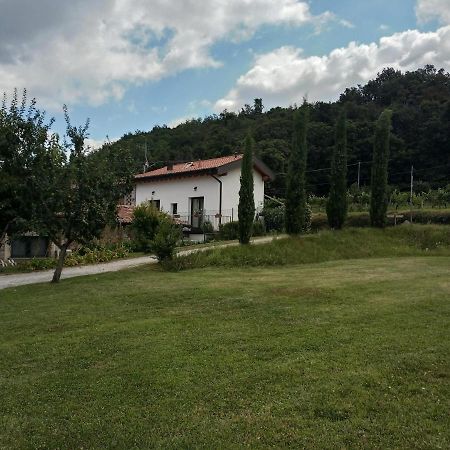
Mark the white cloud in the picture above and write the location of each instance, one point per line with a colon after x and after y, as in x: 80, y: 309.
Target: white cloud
x: 427, y: 10
x: 92, y: 50
x: 97, y: 143
x: 284, y: 76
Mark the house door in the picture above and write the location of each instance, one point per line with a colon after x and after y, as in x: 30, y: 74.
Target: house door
x: 197, y: 212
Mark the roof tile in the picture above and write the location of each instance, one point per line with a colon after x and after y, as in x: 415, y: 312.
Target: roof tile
x: 190, y: 167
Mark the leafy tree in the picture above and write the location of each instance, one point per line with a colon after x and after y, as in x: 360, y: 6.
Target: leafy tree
x: 258, y: 106
x: 23, y: 134
x: 337, y: 200
x: 295, y: 187
x: 246, y: 208
x: 379, y: 194
x: 75, y: 196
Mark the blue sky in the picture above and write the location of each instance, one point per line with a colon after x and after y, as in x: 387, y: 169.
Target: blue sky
x: 152, y: 64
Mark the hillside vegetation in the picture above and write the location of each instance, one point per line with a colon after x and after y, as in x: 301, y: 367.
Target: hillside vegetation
x: 420, y: 101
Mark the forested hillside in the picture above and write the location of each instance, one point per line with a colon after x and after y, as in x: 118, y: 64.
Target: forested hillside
x: 420, y: 137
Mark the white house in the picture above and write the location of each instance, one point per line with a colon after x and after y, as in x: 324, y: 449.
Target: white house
x: 201, y: 191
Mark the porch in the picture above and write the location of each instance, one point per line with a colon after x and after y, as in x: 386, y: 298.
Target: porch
x: 204, y: 220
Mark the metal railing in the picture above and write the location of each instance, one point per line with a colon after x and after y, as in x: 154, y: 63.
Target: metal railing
x: 197, y: 221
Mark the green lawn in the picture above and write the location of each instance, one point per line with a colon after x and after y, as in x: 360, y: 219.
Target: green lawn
x: 339, y: 354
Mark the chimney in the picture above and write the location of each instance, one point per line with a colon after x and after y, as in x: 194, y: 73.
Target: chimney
x: 170, y: 166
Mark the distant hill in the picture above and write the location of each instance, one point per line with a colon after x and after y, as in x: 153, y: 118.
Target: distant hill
x: 421, y: 132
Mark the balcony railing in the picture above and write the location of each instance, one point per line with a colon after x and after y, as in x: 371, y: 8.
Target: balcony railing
x: 196, y: 220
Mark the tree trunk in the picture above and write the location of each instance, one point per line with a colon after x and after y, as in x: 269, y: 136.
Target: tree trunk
x: 59, y: 266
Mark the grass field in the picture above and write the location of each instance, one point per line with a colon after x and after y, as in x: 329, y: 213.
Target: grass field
x: 343, y: 354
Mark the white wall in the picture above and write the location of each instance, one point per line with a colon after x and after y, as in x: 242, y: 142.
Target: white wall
x: 231, y: 184
x: 180, y: 190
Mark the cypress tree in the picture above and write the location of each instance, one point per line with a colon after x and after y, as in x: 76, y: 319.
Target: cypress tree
x: 295, y: 184
x: 246, y: 208
x: 379, y: 199
x: 337, y: 200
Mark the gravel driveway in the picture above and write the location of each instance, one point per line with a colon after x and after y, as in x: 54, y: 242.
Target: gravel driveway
x: 45, y: 276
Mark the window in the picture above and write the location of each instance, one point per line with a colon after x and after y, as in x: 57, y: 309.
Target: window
x: 174, y: 208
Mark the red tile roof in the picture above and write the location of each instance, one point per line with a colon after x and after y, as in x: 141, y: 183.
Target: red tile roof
x: 189, y: 167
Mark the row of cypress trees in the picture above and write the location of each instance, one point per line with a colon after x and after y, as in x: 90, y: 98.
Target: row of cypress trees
x: 337, y: 206
x: 296, y: 200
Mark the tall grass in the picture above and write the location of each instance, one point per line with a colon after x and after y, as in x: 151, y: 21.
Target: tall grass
x: 349, y: 243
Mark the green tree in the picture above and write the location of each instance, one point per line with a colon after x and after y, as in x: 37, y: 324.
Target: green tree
x: 246, y: 208
x: 379, y: 194
x: 24, y: 133
x: 295, y: 212
x: 76, y: 196
x: 337, y: 201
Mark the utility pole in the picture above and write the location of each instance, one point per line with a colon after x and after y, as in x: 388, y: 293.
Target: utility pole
x: 411, y: 194
x: 145, y: 157
x: 359, y: 172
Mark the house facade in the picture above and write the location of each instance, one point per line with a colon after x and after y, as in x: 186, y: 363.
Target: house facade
x: 200, y: 191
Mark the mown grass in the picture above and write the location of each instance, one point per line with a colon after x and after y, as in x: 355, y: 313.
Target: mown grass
x: 349, y: 243
x: 345, y: 354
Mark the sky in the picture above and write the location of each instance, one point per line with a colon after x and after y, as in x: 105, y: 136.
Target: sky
x: 129, y: 65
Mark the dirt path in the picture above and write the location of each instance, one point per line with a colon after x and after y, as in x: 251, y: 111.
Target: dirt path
x: 45, y: 276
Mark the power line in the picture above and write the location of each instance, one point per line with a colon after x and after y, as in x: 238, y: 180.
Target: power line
x: 348, y: 165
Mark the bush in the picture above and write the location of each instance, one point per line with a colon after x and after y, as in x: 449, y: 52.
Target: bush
x: 258, y: 228
x: 230, y: 231
x: 82, y: 256
x: 97, y: 255
x: 207, y: 227
x: 166, y: 240
x: 146, y: 219
x: 274, y: 218
x: 426, y: 217
x: 361, y: 220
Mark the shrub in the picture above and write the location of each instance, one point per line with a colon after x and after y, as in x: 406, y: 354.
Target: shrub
x: 207, y: 227
x: 97, y: 255
x: 362, y: 219
x: 258, y: 228
x: 230, y: 231
x: 146, y: 219
x: 166, y: 240
x: 274, y: 218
